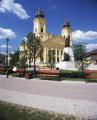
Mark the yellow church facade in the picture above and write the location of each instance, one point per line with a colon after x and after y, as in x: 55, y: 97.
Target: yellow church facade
x: 55, y: 43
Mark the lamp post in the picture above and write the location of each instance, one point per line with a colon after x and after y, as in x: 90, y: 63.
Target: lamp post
x: 7, y: 40
x: 34, y: 52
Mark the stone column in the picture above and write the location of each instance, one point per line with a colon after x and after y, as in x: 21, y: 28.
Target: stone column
x: 59, y: 54
x: 62, y: 54
x: 56, y: 55
x: 44, y: 55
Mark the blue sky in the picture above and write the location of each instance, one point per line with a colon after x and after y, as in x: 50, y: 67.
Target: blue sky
x: 16, y: 19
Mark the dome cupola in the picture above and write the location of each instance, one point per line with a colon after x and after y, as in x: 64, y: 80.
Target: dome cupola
x: 66, y: 24
x: 39, y: 14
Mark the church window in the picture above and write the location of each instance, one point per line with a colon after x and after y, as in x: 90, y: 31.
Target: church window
x: 41, y: 29
x: 35, y: 29
x: 61, y: 52
x: 57, y: 52
x: 57, y: 59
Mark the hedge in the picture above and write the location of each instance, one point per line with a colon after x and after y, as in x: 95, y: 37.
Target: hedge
x: 72, y: 74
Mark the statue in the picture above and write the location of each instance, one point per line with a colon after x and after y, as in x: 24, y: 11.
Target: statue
x: 66, y: 57
x: 67, y: 44
x: 67, y: 41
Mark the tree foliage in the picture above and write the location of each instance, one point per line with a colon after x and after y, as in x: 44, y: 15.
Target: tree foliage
x: 51, y: 58
x: 14, y: 58
x: 34, y: 47
x: 80, y: 55
x: 23, y: 55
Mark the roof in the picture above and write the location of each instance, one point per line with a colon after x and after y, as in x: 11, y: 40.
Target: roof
x: 57, y: 41
x: 93, y: 52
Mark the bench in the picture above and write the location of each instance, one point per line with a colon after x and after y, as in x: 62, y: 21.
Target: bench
x: 3, y: 70
x: 91, y: 75
x: 48, y: 73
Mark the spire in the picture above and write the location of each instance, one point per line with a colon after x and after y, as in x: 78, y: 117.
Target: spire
x: 66, y: 23
x: 39, y: 14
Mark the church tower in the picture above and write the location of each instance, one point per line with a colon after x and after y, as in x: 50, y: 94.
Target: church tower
x: 66, y: 31
x: 40, y: 25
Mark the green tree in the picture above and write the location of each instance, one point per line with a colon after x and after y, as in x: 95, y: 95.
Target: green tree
x: 23, y: 54
x: 14, y: 58
x: 51, y: 58
x: 22, y: 62
x: 80, y: 55
x: 34, y: 48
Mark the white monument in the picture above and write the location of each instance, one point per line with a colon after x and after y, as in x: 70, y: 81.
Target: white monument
x: 68, y: 61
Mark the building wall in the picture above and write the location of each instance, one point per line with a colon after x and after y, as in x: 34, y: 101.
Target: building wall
x: 93, y: 58
x: 40, y: 28
x: 40, y: 31
x: 43, y: 35
x: 58, y: 53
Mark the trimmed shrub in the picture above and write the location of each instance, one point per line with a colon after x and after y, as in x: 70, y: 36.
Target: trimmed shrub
x: 50, y: 78
x: 29, y: 71
x: 72, y: 74
x: 17, y: 75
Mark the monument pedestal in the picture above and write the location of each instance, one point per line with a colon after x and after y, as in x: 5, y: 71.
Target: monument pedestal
x: 69, y: 51
x: 67, y: 65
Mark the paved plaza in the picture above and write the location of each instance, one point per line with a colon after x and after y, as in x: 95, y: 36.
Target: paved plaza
x: 67, y: 97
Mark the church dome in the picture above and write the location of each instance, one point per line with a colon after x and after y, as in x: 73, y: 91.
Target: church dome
x: 39, y: 14
x: 66, y: 24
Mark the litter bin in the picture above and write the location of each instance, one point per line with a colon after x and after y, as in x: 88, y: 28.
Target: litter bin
x: 28, y: 75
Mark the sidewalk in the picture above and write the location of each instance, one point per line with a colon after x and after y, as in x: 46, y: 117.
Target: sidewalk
x: 79, y: 108
x: 63, y: 81
x: 78, y: 99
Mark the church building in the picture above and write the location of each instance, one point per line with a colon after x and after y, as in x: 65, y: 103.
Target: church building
x: 55, y: 43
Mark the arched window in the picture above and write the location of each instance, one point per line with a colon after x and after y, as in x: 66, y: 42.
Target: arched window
x: 57, y: 52
x: 35, y: 29
x: 57, y: 59
x: 61, y: 52
x: 41, y: 29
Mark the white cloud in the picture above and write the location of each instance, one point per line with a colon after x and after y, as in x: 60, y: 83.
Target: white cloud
x: 81, y: 35
x: 2, y: 10
x: 3, y: 52
x: 24, y: 38
x: 91, y: 47
x: 5, y: 46
x: 6, y: 33
x: 16, y: 8
x: 12, y: 52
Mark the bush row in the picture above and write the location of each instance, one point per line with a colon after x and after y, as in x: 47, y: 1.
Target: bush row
x: 72, y: 74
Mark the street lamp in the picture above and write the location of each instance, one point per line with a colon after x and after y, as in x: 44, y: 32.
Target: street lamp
x: 34, y: 52
x: 7, y: 40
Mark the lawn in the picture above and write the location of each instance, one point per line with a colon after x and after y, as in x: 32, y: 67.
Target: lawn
x: 10, y: 111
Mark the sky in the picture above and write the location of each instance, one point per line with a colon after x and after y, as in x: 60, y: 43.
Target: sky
x: 16, y: 20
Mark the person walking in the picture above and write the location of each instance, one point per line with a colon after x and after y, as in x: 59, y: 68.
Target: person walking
x: 8, y: 72
x: 14, y: 69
